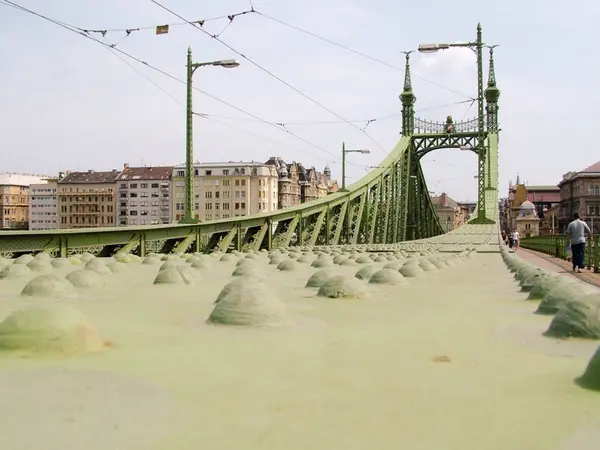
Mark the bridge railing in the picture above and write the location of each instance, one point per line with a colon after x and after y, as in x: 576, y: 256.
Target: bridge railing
x: 556, y: 245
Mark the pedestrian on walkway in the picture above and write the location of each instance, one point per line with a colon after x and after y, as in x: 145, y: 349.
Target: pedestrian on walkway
x: 516, y: 238
x: 576, y: 234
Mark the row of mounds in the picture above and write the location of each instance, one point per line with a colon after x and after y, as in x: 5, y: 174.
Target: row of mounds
x: 574, y: 304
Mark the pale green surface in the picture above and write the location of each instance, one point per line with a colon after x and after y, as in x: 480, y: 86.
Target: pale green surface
x: 349, y: 374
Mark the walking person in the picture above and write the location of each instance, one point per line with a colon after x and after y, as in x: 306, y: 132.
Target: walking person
x: 576, y: 234
x: 516, y: 237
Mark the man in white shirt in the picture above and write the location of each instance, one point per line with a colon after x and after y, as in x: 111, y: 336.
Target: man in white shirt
x: 515, y: 237
x: 576, y: 233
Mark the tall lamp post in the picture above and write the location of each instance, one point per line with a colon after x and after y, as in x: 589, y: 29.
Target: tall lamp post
x: 189, y: 216
x: 344, y: 152
x: 477, y: 47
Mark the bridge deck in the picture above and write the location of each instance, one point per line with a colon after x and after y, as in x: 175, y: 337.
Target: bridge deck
x: 452, y: 359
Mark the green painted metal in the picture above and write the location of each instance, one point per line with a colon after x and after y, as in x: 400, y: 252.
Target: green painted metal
x: 556, y: 246
x: 388, y: 205
x: 189, y: 216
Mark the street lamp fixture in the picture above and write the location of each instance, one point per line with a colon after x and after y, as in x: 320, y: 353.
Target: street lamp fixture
x: 433, y: 48
x: 189, y: 216
x: 344, y: 152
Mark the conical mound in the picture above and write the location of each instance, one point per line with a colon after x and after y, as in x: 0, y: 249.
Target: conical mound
x: 49, y: 329
x: 579, y: 317
x: 591, y: 377
x: 248, y: 302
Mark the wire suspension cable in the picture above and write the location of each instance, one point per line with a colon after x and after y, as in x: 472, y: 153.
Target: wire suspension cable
x: 359, y: 53
x: 268, y: 72
x: 116, y: 51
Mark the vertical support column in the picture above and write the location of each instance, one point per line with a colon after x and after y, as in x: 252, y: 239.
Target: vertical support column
x: 269, y: 234
x: 198, y: 242
x: 63, y: 247
x: 299, y: 230
x: 189, y: 213
x: 142, y: 244
x: 239, y: 237
x: 481, y: 148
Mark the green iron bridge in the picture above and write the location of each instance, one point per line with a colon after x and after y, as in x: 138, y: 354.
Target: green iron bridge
x: 389, y: 205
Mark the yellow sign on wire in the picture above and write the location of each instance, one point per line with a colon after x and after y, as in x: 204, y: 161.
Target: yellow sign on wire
x: 162, y: 29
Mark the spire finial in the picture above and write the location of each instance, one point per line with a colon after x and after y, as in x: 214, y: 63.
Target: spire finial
x: 407, y: 80
x: 492, y: 71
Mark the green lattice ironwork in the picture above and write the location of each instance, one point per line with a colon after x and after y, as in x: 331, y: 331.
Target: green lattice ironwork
x: 389, y: 205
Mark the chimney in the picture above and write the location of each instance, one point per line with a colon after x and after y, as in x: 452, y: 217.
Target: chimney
x: 90, y: 171
x: 125, y: 166
x: 61, y: 175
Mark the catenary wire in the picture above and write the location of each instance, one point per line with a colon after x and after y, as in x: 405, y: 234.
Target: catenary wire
x: 359, y: 53
x: 173, y: 77
x: 271, y: 74
x: 332, y: 122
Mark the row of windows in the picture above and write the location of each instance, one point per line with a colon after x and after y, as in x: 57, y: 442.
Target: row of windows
x: 92, y: 220
x: 15, y: 199
x: 43, y: 213
x: 142, y: 203
x: 140, y: 222
x: 43, y: 197
x: 48, y: 190
x: 82, y: 199
x: 86, y: 190
x: 42, y: 221
x: 87, y: 209
x: 141, y: 213
x: 142, y: 185
x: 13, y: 211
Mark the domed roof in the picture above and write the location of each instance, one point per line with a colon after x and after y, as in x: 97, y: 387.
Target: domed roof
x: 527, y: 205
x: 527, y: 209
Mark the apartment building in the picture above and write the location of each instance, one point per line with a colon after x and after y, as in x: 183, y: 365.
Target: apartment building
x: 87, y: 199
x: 144, y: 196
x: 14, y: 199
x: 297, y: 184
x: 451, y: 214
x: 580, y: 193
x: 43, y: 210
x: 226, y: 189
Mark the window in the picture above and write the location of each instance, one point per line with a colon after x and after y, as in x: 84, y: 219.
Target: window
x: 237, y: 206
x: 208, y: 173
x: 144, y: 186
x: 181, y: 173
x: 144, y: 194
x: 225, y: 205
x: 154, y: 185
x: 217, y: 194
x: 208, y: 206
x: 237, y: 182
x: 243, y: 205
x: 133, y: 186
x: 243, y: 181
x: 208, y: 194
x: 225, y: 183
x: 226, y: 172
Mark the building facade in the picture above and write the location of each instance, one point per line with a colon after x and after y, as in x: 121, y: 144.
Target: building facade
x: 226, y: 189
x: 544, y: 198
x: 144, y: 196
x: 580, y: 193
x: 451, y: 214
x: 43, y: 206
x: 527, y: 222
x: 14, y: 199
x: 297, y: 184
x: 87, y: 199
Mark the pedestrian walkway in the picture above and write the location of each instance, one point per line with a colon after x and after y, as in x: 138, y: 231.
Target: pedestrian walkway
x: 558, y: 265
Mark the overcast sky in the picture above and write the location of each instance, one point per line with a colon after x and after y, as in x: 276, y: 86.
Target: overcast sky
x: 69, y: 103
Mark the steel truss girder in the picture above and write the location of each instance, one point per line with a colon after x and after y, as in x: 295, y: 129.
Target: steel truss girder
x: 373, y: 211
x: 426, y: 143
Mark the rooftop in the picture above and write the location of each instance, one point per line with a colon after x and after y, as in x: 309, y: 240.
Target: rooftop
x: 146, y: 173
x: 91, y: 177
x: 228, y: 164
x: 20, y: 179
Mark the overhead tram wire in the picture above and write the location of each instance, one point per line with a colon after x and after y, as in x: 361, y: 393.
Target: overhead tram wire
x: 359, y: 53
x: 76, y: 30
x: 337, y: 122
x: 271, y: 74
